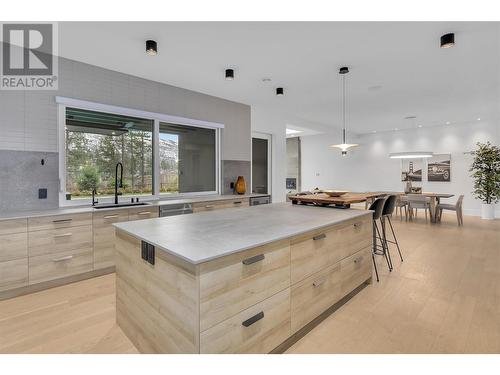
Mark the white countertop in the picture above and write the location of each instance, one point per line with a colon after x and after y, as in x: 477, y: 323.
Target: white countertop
x: 88, y: 208
x: 205, y: 236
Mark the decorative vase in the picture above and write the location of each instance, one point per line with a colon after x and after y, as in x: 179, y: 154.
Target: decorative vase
x: 240, y: 186
x: 487, y: 211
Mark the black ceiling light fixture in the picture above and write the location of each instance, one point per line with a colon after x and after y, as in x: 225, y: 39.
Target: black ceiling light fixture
x: 151, y: 47
x: 448, y: 40
x: 229, y: 74
x: 279, y: 91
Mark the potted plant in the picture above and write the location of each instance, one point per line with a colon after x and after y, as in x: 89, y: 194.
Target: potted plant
x: 486, y: 174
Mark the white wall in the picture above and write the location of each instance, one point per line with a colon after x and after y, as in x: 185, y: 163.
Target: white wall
x: 368, y: 167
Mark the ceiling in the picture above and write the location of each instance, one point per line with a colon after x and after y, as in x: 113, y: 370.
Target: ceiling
x: 396, y: 68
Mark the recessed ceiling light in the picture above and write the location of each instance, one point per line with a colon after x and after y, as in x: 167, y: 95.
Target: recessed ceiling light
x: 396, y: 129
x: 419, y: 126
x: 229, y: 74
x: 448, y: 40
x: 447, y: 123
x: 265, y: 79
x: 292, y: 131
x: 279, y: 91
x: 374, y: 131
x: 410, y: 117
x: 411, y: 155
x: 479, y: 119
x: 151, y: 47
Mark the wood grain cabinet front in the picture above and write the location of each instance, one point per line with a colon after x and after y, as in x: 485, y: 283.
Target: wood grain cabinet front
x: 258, y: 329
x: 314, y: 251
x: 55, y: 241
x: 104, y: 236
x: 11, y: 226
x: 314, y: 295
x: 236, y: 282
x: 143, y: 213
x: 13, y: 246
x: 220, y: 204
x: 13, y: 274
x: 355, y: 270
x: 59, y: 221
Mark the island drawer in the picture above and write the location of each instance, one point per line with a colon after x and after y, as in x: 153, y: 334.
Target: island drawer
x: 219, y: 204
x: 59, y: 221
x: 13, y: 246
x: 60, y: 240
x: 104, y: 236
x: 355, y: 270
x: 258, y: 329
x: 316, y: 250
x: 314, y: 295
x: 13, y: 226
x: 13, y: 274
x: 143, y: 213
x: 54, y: 266
x: 231, y: 284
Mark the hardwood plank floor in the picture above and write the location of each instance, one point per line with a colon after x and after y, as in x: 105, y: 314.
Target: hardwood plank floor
x: 444, y: 298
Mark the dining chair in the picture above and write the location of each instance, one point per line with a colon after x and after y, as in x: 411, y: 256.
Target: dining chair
x: 416, y: 202
x: 401, y: 202
x: 457, y: 207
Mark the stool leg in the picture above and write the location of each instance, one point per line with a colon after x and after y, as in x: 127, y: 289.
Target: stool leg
x: 395, y: 239
x: 384, y: 246
x: 384, y: 233
x: 375, y: 266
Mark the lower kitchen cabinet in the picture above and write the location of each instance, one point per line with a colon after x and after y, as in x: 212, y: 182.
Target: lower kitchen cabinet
x: 104, y: 236
x: 13, y: 274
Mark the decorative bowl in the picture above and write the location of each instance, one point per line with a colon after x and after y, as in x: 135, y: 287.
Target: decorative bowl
x: 335, y: 193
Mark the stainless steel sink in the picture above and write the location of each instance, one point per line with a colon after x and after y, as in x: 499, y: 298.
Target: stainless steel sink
x: 112, y: 205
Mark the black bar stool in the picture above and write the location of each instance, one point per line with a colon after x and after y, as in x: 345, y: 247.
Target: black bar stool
x: 390, y: 204
x: 378, y: 207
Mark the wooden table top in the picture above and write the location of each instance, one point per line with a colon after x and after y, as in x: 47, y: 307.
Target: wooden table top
x: 325, y: 199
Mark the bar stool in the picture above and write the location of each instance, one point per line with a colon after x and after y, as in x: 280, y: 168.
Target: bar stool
x: 389, y: 205
x: 378, y: 207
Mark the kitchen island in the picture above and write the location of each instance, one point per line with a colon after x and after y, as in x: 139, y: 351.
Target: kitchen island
x: 241, y: 280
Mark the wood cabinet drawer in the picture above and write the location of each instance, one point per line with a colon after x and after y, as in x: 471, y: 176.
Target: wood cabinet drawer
x: 142, y: 213
x: 13, y: 246
x: 104, y: 236
x: 215, y: 205
x: 59, y: 221
x: 55, y: 266
x: 13, y: 274
x: 355, y: 270
x: 314, y: 251
x: 55, y: 241
x: 236, y: 282
x: 258, y: 329
x: 13, y: 226
x: 314, y: 295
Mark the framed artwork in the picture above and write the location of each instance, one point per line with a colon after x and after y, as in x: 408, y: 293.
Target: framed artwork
x: 411, y: 170
x: 291, y: 183
x: 439, y: 168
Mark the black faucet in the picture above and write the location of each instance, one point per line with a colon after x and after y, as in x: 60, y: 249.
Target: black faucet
x: 94, y: 193
x: 116, y: 180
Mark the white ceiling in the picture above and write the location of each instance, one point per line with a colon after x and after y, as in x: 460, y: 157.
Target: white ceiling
x: 397, y: 69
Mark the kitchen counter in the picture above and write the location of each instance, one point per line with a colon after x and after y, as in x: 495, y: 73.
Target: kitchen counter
x: 206, y: 236
x: 87, y: 208
x: 237, y: 280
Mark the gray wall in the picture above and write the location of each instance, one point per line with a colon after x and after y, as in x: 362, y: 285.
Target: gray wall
x: 28, y: 119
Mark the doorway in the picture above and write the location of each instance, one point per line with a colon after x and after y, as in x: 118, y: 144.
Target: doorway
x: 261, y: 163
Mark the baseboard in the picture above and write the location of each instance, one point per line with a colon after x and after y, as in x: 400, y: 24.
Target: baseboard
x: 477, y: 212
x: 54, y: 283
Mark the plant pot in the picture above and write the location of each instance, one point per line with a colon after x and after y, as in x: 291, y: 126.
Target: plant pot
x: 240, y: 186
x: 487, y: 211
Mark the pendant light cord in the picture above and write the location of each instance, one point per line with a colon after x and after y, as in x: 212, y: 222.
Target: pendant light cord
x: 344, y: 130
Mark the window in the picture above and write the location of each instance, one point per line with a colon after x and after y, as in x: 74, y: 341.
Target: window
x: 187, y: 159
x: 161, y: 154
x: 96, y: 142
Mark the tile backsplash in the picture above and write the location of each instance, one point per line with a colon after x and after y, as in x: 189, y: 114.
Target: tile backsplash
x: 231, y: 169
x: 22, y: 174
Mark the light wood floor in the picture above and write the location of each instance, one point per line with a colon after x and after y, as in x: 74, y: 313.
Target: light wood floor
x: 444, y: 298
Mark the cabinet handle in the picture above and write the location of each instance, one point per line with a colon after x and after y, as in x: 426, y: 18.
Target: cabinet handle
x: 319, y: 282
x: 253, y: 259
x: 62, y: 221
x: 144, y: 213
x: 239, y: 202
x: 253, y: 319
x: 319, y: 237
x: 110, y: 217
x: 63, y: 258
x: 62, y: 235
x: 209, y: 206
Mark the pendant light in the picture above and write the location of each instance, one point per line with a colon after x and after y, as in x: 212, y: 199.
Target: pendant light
x: 344, y: 146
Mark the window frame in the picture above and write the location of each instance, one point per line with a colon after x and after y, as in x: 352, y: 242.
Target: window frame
x: 64, y: 102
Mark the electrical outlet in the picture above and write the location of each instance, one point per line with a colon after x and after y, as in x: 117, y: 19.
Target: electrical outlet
x: 42, y: 193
